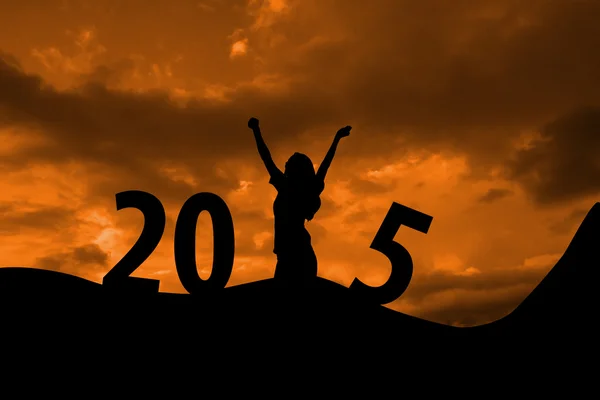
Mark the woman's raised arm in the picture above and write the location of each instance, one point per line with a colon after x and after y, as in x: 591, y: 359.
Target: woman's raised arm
x: 343, y: 132
x: 263, y: 150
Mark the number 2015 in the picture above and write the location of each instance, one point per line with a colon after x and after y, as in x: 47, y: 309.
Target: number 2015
x: 224, y: 246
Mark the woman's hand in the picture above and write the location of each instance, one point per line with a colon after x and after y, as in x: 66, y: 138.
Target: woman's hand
x: 343, y: 132
x: 253, y: 123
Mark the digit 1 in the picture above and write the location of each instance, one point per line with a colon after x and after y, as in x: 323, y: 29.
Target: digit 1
x: 185, y: 243
x: 154, y: 226
x: 402, y: 263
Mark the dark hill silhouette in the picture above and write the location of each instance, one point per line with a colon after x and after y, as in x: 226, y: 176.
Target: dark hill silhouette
x: 569, y: 290
x: 53, y: 315
x: 560, y: 315
x: 269, y: 318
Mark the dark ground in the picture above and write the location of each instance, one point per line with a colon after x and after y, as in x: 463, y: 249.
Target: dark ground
x: 51, y: 317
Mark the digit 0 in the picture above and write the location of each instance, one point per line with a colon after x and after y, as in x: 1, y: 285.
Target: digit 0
x: 185, y: 243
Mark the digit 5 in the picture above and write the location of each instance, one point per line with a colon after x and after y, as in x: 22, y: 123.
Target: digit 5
x: 402, y: 263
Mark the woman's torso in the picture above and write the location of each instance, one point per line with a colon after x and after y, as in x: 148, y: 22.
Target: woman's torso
x: 289, y: 212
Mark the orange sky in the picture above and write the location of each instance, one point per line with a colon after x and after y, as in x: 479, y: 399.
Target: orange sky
x: 481, y: 114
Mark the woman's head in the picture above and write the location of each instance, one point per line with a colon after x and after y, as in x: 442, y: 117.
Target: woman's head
x: 299, y: 167
x: 300, y: 171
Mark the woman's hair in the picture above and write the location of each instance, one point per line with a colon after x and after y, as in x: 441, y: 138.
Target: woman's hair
x: 301, y: 172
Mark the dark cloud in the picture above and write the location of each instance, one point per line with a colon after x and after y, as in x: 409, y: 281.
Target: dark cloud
x: 257, y: 219
x: 425, y: 284
x: 465, y: 76
x: 317, y: 231
x: 564, y: 164
x: 328, y: 207
x: 92, y: 122
x: 362, y: 214
x: 361, y: 186
x: 90, y: 254
x: 570, y: 222
x: 109, y: 75
x: 461, y: 75
x: 19, y: 217
x: 494, y: 194
x: 357, y: 216
x: 76, y: 260
x: 131, y: 135
x: 475, y: 307
x: 471, y: 299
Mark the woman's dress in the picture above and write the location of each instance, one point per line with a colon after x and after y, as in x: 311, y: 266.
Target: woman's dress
x: 296, y: 258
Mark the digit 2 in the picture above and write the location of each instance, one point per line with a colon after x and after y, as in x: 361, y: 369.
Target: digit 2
x: 154, y: 226
x: 400, y: 258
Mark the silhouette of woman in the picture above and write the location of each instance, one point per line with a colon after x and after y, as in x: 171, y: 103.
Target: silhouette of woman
x: 298, y: 199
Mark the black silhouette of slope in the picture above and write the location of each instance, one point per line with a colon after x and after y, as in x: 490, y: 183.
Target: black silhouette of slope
x: 264, y: 318
x: 566, y: 300
x: 267, y: 320
x: 556, y: 324
x: 327, y: 303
